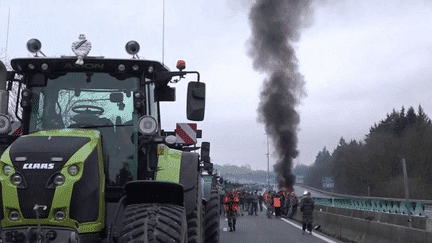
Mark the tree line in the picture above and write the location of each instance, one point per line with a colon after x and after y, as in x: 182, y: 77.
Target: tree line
x: 373, y: 166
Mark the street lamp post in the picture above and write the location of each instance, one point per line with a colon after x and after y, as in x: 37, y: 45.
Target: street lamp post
x: 406, y: 191
x: 268, y: 163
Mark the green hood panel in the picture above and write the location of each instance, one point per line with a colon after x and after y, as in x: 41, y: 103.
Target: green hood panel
x: 62, y: 196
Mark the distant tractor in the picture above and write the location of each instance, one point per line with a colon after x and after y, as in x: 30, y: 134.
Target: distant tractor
x: 211, y: 196
x: 88, y: 161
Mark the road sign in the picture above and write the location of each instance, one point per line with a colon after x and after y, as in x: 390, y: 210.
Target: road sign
x: 186, y: 133
x: 299, y: 179
x: 327, y: 182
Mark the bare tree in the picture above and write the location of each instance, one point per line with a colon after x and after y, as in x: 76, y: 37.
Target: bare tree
x: 13, y: 93
x: 4, y: 58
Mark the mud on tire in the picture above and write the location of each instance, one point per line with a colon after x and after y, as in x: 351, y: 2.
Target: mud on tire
x: 151, y: 223
x: 212, y: 218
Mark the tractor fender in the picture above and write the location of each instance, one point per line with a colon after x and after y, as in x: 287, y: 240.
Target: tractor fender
x: 143, y: 191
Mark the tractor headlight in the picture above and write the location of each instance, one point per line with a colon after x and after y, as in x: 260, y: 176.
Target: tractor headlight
x: 14, y: 215
x: 60, y: 215
x: 6, y: 169
x: 44, y: 66
x: 121, y: 67
x: 59, y: 179
x: 171, y: 139
x: 73, y: 170
x: 148, y: 125
x: 17, y: 179
x: 5, y: 124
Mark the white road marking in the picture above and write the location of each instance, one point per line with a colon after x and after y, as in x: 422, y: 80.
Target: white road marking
x: 225, y: 229
x: 313, y: 233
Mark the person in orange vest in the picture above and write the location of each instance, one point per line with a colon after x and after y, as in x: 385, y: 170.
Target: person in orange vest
x: 277, y: 205
x: 269, y: 204
x: 231, y: 201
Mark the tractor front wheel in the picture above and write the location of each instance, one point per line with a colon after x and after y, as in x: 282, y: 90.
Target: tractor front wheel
x: 212, y: 218
x: 151, y: 223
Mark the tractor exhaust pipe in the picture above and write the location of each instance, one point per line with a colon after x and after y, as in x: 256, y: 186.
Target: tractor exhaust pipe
x: 4, y: 94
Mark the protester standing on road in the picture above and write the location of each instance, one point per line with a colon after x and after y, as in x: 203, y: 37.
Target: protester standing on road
x: 277, y: 205
x: 249, y: 202
x: 269, y: 203
x: 255, y: 203
x: 221, y: 197
x: 241, y: 202
x: 294, y: 205
x: 307, y: 207
x: 286, y: 205
x: 245, y: 201
x: 231, y: 202
x: 260, y: 201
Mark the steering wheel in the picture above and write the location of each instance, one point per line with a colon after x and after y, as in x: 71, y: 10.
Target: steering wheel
x: 88, y: 109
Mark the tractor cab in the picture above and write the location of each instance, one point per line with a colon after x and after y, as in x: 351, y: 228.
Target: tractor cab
x: 91, y: 149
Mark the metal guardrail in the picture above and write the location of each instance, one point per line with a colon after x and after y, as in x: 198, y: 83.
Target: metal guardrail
x: 383, y: 206
x: 376, y: 204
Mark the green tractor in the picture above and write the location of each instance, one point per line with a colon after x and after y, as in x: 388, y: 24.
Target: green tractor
x: 92, y: 163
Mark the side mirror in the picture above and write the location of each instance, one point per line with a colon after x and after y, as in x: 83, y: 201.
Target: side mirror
x: 195, y: 101
x: 205, y: 152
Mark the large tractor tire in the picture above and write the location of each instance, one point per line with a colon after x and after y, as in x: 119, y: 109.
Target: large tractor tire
x: 212, y: 218
x: 154, y: 223
x: 195, y: 220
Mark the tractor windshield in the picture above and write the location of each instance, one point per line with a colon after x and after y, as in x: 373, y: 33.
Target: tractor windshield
x: 93, y: 101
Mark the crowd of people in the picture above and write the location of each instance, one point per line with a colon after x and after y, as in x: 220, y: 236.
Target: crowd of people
x: 282, y: 204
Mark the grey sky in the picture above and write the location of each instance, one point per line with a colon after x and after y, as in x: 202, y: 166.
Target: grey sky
x: 360, y: 60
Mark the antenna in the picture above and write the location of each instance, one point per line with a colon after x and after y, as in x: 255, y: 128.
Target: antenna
x: 163, y: 31
x: 7, y: 35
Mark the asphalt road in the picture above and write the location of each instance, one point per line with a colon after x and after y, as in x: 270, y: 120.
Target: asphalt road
x: 299, y: 190
x: 260, y: 229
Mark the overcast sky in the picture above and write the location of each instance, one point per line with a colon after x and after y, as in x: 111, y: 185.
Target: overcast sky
x: 360, y: 60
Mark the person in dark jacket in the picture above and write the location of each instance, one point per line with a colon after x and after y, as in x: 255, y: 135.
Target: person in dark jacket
x: 255, y: 203
x: 294, y: 204
x: 261, y: 200
x: 307, y: 207
x: 241, y: 203
x: 249, y: 199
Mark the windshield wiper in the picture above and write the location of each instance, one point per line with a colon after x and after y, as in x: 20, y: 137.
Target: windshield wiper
x: 96, y: 126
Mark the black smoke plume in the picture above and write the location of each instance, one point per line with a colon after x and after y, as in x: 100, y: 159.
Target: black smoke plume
x: 276, y: 25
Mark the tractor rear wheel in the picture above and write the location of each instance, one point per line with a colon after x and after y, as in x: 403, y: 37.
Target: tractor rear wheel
x: 151, y: 223
x: 212, y: 218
